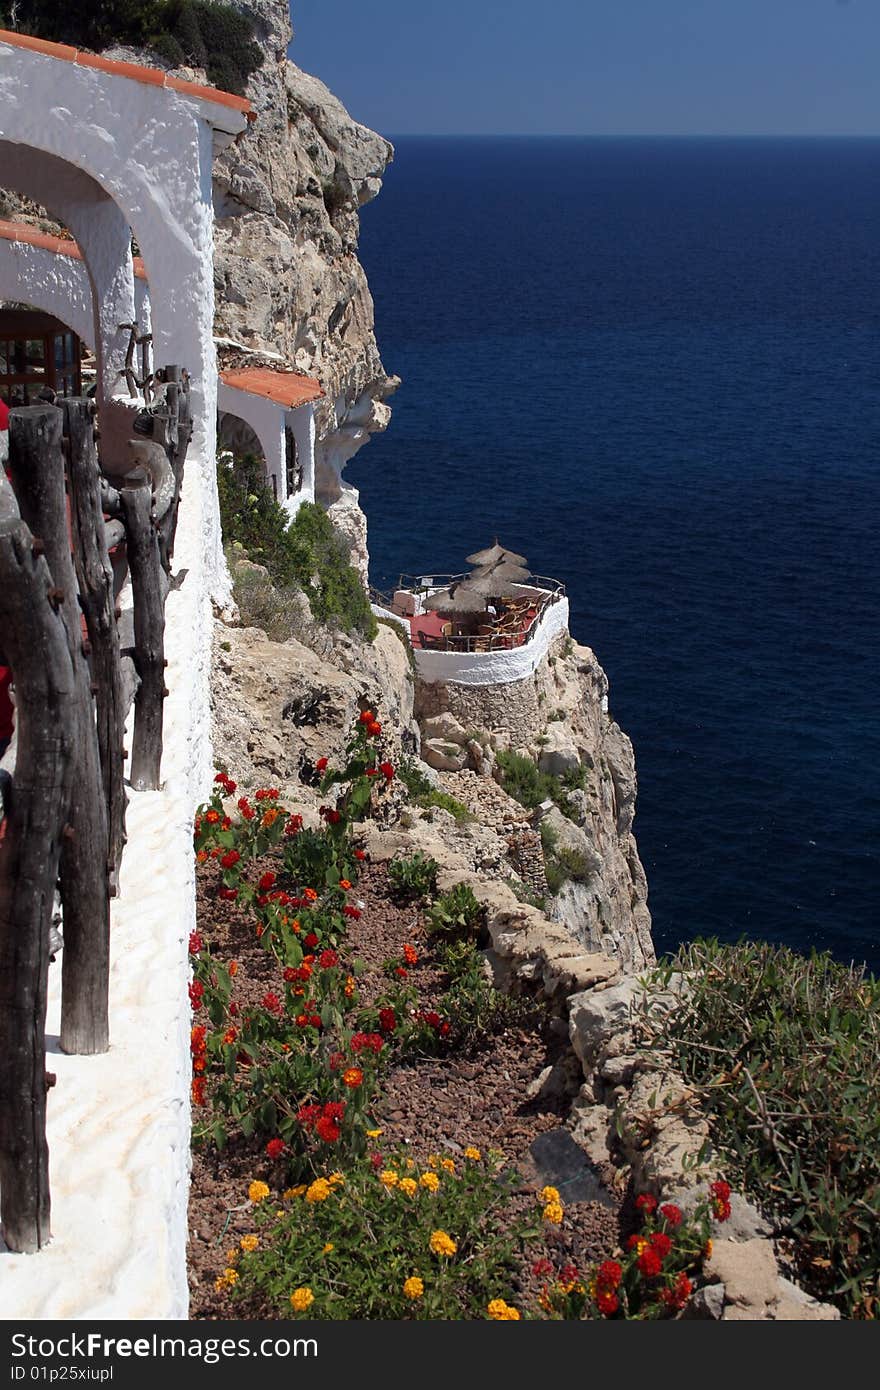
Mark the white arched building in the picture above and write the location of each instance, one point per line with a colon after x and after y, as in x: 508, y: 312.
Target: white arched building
x: 115, y: 151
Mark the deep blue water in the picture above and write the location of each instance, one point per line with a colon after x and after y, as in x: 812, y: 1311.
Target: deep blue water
x: 653, y: 368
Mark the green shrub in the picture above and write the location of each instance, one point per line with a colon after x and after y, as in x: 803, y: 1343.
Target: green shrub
x: 785, y: 1050
x: 477, y: 1009
x: 305, y: 553
x: 528, y: 785
x: 455, y: 912
x: 415, y: 877
x: 217, y: 37
x: 423, y: 793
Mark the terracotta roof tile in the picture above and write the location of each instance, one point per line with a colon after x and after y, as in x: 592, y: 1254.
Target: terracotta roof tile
x: 58, y: 245
x: 153, y: 77
x: 287, y: 389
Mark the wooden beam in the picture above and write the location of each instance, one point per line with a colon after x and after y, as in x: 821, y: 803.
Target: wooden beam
x: 35, y: 643
x: 37, y: 466
x: 149, y: 637
x: 94, y: 574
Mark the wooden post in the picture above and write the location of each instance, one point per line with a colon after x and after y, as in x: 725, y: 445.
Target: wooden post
x: 37, y: 465
x: 149, y: 636
x: 95, y: 575
x: 34, y: 640
x: 178, y: 443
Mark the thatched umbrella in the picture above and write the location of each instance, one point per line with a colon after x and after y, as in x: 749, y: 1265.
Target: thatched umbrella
x: 456, y: 599
x: 494, y: 555
x: 504, y: 573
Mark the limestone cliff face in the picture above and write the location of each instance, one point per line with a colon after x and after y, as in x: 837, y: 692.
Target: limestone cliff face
x: 287, y: 199
x: 559, y: 717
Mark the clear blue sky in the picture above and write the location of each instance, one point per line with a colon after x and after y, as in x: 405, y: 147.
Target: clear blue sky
x: 603, y: 67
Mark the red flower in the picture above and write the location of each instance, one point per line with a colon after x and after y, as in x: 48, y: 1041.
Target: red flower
x: 247, y: 811
x: 387, y: 1020
x: 444, y: 1030
x: 275, y: 1148
x: 233, y: 1010
x: 400, y: 972
x: 221, y: 778
x: 541, y: 1268
x: 290, y: 974
x: 271, y: 1002
x: 367, y: 1042
x: 661, y: 1243
x: 315, y: 1020
x: 321, y: 765
x: 678, y: 1295
x: 266, y: 882
x: 327, y: 1130
x: 197, y: 1039
x: 376, y: 1161
x: 647, y: 1203
x: 372, y: 772
x: 327, y: 960
x: 268, y: 794
x: 294, y: 825
x: 195, y: 943
x: 359, y: 854
x: 366, y: 717
x: 719, y: 1193
x: 335, y: 1110
x: 230, y: 787
x: 353, y: 912
x: 308, y: 1115
x: 196, y: 990
x: 568, y: 1273
x: 198, y: 1091
x: 226, y: 823
x: 230, y: 859
x: 311, y: 941
x: 228, y: 895
x: 336, y: 1060
x: 672, y: 1214
x: 387, y: 771
x: 607, y: 1303
x: 609, y: 1274
x: 344, y: 884
x: 649, y: 1262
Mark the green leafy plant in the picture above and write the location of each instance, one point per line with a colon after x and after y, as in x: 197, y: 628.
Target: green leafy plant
x: 455, y: 912
x: 423, y: 793
x: 785, y: 1050
x: 476, y: 1009
x: 415, y: 876
x: 440, y: 1240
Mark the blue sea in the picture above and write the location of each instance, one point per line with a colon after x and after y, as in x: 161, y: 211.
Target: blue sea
x: 653, y: 367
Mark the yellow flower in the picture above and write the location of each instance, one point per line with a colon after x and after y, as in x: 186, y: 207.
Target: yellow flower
x: 292, y: 1192
x: 430, y: 1181
x: 409, y: 1186
x: 553, y: 1213
x: 231, y: 1256
x: 327, y: 1248
x: 640, y: 1245
x: 502, y: 1312
x: 249, y: 1243
x: 226, y: 1280
x: 301, y: 1299
x: 473, y: 1154
x: 550, y: 1194
x: 434, y: 1161
x: 319, y: 1191
x: 336, y: 1179
x: 448, y: 1164
x: 388, y: 1178
x: 257, y: 1191
x: 373, y: 1133
x: 442, y: 1243
x: 707, y: 1249
x: 414, y: 1287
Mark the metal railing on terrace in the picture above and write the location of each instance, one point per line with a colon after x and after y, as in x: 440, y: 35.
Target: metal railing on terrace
x: 517, y: 626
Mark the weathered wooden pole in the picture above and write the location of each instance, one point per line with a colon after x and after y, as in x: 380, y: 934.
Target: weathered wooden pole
x: 94, y: 573
x: 148, y: 592
x: 35, y: 643
x: 37, y: 465
x: 178, y: 437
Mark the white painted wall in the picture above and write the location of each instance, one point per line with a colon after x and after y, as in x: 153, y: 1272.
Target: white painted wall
x: 498, y: 667
x: 56, y: 284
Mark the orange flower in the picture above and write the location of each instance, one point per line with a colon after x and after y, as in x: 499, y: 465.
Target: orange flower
x: 270, y: 818
x: 233, y: 969
x: 344, y: 883
x: 212, y: 816
x: 310, y: 895
x: 198, y: 1091
x: 202, y: 856
x: 352, y: 1076
x: 410, y: 954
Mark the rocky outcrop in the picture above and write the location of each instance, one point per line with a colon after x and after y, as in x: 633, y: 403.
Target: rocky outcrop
x: 288, y: 194
x: 559, y: 717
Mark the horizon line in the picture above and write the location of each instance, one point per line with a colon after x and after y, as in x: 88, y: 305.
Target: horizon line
x: 634, y: 135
